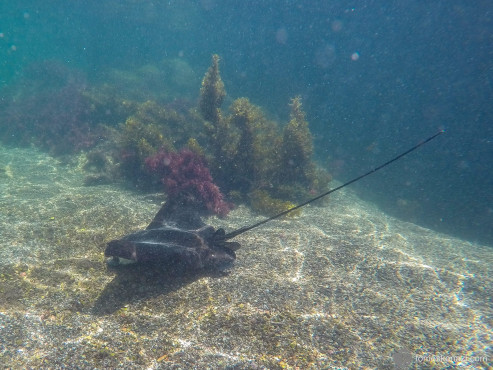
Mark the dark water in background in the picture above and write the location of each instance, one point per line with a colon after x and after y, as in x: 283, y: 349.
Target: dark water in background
x: 375, y: 79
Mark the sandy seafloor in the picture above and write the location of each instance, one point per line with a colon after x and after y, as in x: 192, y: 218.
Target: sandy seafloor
x: 342, y: 286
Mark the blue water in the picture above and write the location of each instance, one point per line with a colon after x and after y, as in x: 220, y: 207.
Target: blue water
x: 375, y: 78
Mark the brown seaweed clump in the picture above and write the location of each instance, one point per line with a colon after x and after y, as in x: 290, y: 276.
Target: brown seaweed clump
x: 297, y: 175
x: 296, y: 152
x: 255, y: 154
x: 251, y: 157
x: 262, y: 202
x: 212, y: 93
x: 153, y: 127
x: 142, y: 136
x: 241, y: 144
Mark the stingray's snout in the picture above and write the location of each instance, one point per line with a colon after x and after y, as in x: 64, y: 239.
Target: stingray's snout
x: 120, y: 252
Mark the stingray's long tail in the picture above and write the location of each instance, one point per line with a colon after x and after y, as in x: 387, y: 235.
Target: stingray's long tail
x: 242, y: 230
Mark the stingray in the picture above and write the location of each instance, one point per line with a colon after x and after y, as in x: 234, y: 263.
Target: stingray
x: 177, y: 236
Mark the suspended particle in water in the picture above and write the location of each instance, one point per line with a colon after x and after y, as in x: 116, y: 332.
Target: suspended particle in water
x: 336, y: 25
x: 282, y: 36
x: 355, y: 56
x: 325, y: 56
x: 208, y: 4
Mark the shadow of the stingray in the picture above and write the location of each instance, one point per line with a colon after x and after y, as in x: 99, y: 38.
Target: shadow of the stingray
x: 139, y: 282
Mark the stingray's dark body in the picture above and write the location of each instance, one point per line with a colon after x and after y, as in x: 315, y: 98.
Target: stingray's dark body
x: 176, y: 237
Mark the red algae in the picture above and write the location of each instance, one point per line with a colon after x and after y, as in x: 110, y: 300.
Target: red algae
x: 184, y: 174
